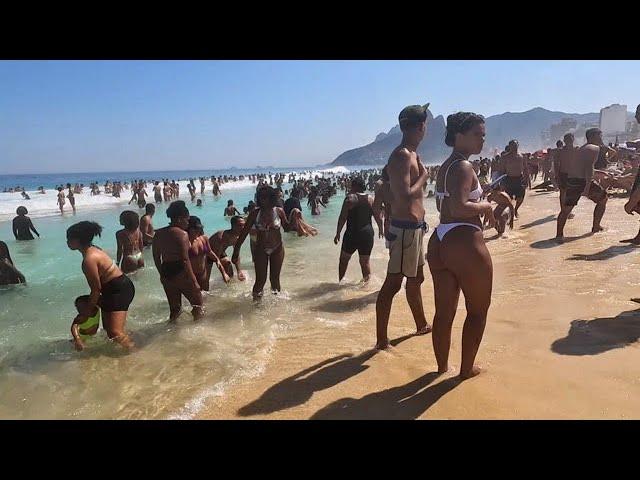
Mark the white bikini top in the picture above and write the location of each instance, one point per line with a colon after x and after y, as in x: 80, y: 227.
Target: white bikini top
x: 260, y: 224
x: 474, y: 195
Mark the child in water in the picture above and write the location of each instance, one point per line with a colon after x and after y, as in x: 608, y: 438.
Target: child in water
x: 86, y: 328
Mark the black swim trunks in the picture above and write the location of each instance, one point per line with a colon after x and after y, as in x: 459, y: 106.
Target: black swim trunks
x: 117, y: 295
x: 514, y: 186
x: 575, y: 187
x: 169, y: 270
x: 562, y: 179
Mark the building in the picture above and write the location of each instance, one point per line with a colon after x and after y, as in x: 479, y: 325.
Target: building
x: 613, y: 119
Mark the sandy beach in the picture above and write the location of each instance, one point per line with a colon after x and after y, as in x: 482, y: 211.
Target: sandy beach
x: 560, y: 342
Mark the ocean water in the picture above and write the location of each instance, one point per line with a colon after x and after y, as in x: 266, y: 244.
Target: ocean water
x: 177, y: 367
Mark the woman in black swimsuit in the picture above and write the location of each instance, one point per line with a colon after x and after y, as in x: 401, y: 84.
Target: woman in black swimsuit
x: 111, y: 289
x: 357, y: 211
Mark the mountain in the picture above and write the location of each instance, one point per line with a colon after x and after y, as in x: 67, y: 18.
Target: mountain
x: 526, y: 127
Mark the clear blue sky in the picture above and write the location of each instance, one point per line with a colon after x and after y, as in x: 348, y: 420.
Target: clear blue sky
x: 139, y: 115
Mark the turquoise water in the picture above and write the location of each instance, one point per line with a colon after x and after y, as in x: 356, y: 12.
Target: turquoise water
x: 176, y: 367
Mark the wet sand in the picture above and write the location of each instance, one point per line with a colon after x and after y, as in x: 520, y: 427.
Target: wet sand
x: 560, y: 343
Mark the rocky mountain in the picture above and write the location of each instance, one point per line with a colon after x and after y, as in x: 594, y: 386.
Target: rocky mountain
x: 526, y: 127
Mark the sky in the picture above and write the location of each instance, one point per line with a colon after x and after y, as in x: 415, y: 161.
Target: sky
x: 96, y: 116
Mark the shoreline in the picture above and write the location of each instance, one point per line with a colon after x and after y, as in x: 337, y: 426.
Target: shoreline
x: 560, y: 342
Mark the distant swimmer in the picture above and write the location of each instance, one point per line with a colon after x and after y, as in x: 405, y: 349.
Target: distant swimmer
x: 457, y: 254
x: 25, y: 195
x: 9, y: 274
x: 579, y: 182
x: 171, y: 257
x: 23, y: 226
x: 146, y: 224
x: 130, y: 243
x: 111, y: 290
x: 223, y: 239
x: 357, y: 210
x: 407, y: 177
x: 230, y: 210
x: 517, y: 174
x: 61, y: 200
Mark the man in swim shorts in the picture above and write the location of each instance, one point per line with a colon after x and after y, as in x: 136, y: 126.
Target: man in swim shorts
x: 579, y: 182
x: 517, y: 174
x: 407, y: 178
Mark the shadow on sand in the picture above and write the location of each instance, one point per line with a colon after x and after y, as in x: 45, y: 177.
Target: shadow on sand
x: 540, y: 221
x: 342, y: 306
x: 406, y: 402
x: 591, y: 337
x: 552, y: 242
x: 298, y: 389
x: 609, y: 252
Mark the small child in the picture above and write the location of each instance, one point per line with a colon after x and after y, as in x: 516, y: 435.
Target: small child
x: 199, y: 203
x: 86, y: 327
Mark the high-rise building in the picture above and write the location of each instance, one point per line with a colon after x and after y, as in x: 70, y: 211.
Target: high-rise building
x: 613, y: 119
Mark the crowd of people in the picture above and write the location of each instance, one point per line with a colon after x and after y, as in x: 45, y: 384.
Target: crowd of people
x: 470, y: 196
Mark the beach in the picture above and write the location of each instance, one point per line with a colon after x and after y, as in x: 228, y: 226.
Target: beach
x: 560, y: 342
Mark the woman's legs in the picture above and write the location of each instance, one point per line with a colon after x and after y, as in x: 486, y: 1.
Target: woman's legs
x: 465, y: 255
x: 114, y: 323
x: 174, y: 297
x: 260, y: 263
x: 275, y: 266
x: 446, y: 293
x: 343, y: 263
x: 365, y: 267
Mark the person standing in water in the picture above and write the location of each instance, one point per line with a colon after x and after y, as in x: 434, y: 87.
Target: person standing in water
x: 171, y: 257
x: 231, y: 209
x: 269, y: 249
x: 23, y: 226
x: 61, y: 200
x: 111, y: 289
x: 580, y: 183
x: 157, y: 192
x: 199, y: 252
x: 457, y: 255
x: 407, y: 177
x: 9, y: 274
x: 357, y: 211
x: 146, y: 225
x: 130, y: 243
x: 72, y: 199
x: 223, y: 239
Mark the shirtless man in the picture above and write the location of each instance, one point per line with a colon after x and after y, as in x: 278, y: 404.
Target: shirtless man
x: 61, y: 200
x: 157, y: 192
x: 517, y: 174
x: 382, y: 201
x: 146, y: 227
x: 579, y: 169
x: 563, y: 157
x: 407, y: 178
x: 223, y: 239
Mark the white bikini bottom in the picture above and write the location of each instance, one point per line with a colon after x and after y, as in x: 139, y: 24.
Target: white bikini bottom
x: 444, y: 228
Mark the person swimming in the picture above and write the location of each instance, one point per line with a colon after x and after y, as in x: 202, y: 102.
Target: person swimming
x: 130, y: 243
x: 82, y: 326
x: 22, y: 225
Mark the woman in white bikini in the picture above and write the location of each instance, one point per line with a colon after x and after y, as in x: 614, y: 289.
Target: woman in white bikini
x: 130, y: 243
x: 267, y: 219
x: 457, y: 255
